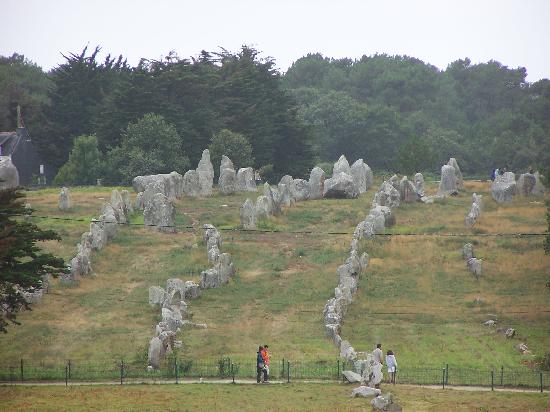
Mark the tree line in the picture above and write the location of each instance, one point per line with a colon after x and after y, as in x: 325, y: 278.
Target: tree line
x: 106, y: 119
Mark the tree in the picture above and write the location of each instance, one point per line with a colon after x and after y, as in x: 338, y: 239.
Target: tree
x: 22, y: 263
x: 149, y: 146
x: 414, y: 156
x: 24, y: 84
x: 84, y: 164
x: 233, y: 145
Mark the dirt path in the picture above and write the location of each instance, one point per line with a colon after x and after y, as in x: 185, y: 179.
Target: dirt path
x: 253, y: 382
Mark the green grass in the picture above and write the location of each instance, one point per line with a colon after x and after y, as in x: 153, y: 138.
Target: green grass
x: 416, y: 296
x: 281, y: 397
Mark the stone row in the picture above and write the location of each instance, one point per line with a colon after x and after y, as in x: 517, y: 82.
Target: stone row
x: 346, y: 182
x: 505, y: 187
x: 172, y: 301
x: 475, y: 210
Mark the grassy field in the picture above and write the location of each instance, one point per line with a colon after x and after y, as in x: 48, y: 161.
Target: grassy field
x: 416, y: 297
x: 302, y: 397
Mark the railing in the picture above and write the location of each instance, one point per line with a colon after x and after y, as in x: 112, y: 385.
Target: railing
x: 280, y: 369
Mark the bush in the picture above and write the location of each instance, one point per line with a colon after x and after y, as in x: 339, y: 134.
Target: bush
x: 149, y: 146
x: 84, y: 164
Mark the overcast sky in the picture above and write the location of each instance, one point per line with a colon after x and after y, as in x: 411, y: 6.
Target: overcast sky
x: 514, y: 32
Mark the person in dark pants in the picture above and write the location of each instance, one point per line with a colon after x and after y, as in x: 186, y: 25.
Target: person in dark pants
x: 260, y: 366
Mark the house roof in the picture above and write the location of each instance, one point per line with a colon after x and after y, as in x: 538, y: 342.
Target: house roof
x: 8, y: 141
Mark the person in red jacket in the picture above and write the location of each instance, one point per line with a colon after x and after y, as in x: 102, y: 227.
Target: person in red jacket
x: 265, y: 357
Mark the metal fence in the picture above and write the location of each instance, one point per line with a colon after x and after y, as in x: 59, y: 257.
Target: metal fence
x: 175, y: 369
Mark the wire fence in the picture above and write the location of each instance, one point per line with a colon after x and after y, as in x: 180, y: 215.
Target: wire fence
x: 286, y: 370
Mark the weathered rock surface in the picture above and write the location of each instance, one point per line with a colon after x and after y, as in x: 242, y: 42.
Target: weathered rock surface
x: 245, y: 180
x: 526, y: 183
x: 538, y: 190
x: 284, y: 196
x: 300, y: 190
x: 352, y: 377
x: 272, y: 199
x: 227, y: 182
x: 154, y: 352
x: 387, y: 195
x: 340, y: 186
x: 474, y: 266
x: 448, y: 183
x: 98, y: 235
x: 156, y: 295
x: 205, y: 170
x: 459, y: 179
x: 359, y: 171
x: 127, y: 200
x: 341, y: 166
x: 248, y: 215
x: 191, y: 184
x: 64, y: 199
x: 419, y: 184
x: 160, y: 213
x: 225, y: 268
x: 365, y: 392
x: 503, y: 188
x: 316, y: 183
x: 468, y: 251
x: 262, y: 207
x: 9, y: 176
x: 407, y: 191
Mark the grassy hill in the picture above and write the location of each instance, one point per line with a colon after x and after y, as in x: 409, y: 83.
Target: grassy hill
x: 416, y: 298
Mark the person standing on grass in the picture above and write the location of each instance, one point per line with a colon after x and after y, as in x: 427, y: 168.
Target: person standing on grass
x: 377, y: 354
x: 260, y: 366
x: 265, y: 357
x: 391, y: 362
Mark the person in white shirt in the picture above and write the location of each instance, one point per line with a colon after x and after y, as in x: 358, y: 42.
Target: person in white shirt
x: 391, y: 362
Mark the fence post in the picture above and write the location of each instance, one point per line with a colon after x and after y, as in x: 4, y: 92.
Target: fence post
x: 443, y: 380
x: 447, y: 374
x: 66, y: 375
x: 12, y: 374
x: 492, y: 380
x: 69, y: 369
x: 121, y: 370
x: 338, y: 369
x: 22, y: 375
x: 287, y: 372
x: 176, y: 368
x: 502, y: 375
x: 541, y: 386
x: 283, y: 372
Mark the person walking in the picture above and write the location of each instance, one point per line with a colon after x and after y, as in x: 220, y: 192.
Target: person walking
x: 377, y: 354
x: 260, y: 366
x: 391, y: 362
x: 265, y: 357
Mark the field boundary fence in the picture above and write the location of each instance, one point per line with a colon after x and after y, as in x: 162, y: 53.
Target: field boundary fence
x: 286, y: 370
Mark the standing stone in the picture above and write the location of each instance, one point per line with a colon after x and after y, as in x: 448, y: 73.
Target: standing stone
x: 419, y: 184
x: 526, y: 183
x: 341, y: 166
x: 160, y: 213
x: 139, y: 204
x: 225, y: 268
x: 286, y: 180
x: 98, y: 235
x: 156, y: 295
x: 121, y: 212
x: 503, y: 189
x: 248, y: 215
x: 316, y: 183
x: 64, y: 199
x: 284, y: 196
x: 387, y: 195
x: 156, y: 186
x: 459, y: 179
x: 228, y: 179
x: 110, y: 221
x: 538, y: 190
x: 394, y: 181
x: 212, y: 237
x: 126, y: 199
x: 191, y: 184
x: 359, y: 173
x: 209, y: 279
x: 192, y: 290
x: 447, y: 185
x: 205, y: 171
x: 474, y: 266
x: 176, y: 185
x: 272, y: 199
x: 262, y: 207
x: 340, y: 186
x: 154, y: 352
x: 478, y: 200
x: 407, y: 191
x: 300, y: 190
x: 468, y: 251
x: 9, y: 176
x: 245, y: 180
